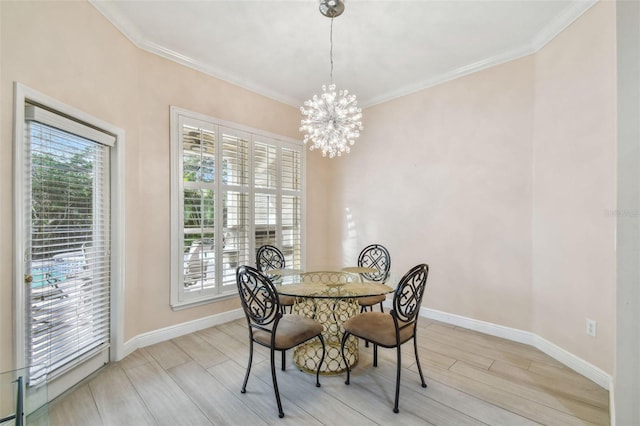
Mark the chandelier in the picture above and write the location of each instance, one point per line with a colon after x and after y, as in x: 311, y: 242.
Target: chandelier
x: 333, y: 119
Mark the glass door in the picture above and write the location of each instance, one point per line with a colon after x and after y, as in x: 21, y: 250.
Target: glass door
x: 67, y: 248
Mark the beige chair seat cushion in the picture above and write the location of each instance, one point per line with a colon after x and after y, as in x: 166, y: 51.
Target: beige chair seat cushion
x: 292, y: 330
x: 371, y: 300
x: 377, y: 327
x: 286, y: 300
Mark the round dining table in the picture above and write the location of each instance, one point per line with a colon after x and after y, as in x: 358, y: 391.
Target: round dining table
x: 330, y: 296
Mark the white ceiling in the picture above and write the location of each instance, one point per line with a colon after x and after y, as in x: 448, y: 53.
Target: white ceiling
x: 382, y: 49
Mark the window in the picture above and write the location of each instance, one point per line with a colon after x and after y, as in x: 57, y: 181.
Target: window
x: 233, y: 190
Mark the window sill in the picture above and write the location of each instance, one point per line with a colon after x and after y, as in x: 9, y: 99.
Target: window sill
x: 199, y: 302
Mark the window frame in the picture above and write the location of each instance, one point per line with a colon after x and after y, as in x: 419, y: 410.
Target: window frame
x: 22, y: 95
x: 181, y: 299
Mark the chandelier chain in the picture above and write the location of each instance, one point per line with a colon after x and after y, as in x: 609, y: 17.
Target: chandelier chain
x: 331, y: 51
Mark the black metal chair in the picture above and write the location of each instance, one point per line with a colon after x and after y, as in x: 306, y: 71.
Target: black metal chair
x: 270, y: 257
x: 395, y: 328
x: 268, y: 326
x: 374, y: 256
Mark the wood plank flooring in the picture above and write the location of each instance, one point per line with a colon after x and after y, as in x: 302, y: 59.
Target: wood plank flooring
x: 472, y: 379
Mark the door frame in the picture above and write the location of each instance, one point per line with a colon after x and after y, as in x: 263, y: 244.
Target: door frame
x: 22, y: 94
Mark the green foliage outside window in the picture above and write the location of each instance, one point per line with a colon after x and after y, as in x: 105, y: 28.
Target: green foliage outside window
x: 62, y: 201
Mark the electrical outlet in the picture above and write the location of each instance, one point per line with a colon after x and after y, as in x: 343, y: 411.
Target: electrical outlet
x: 591, y: 327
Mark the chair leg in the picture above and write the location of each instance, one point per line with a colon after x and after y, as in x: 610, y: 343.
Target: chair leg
x: 375, y: 355
x: 275, y: 383
x: 344, y: 358
x: 324, y: 352
x: 415, y: 350
x: 381, y: 307
x: 364, y: 309
x: 246, y: 376
x: 395, y: 406
x: 284, y: 360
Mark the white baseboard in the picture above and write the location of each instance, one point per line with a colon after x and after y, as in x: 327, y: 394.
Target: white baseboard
x: 171, y: 332
x: 572, y: 361
x: 612, y: 404
x: 508, y: 333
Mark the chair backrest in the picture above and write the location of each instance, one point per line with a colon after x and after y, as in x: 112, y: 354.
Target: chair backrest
x: 407, y: 297
x: 378, y: 257
x: 269, y: 257
x: 258, y: 296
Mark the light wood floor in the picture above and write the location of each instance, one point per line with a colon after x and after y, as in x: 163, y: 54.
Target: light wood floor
x: 472, y: 379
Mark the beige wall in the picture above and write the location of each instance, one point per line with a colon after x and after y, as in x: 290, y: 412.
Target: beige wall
x: 320, y: 199
x: 574, y: 187
x: 501, y: 181
x: 69, y: 51
x: 442, y: 177
x: 162, y: 83
x: 574, y: 158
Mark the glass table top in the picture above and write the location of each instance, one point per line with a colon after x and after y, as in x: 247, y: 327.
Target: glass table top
x: 333, y: 282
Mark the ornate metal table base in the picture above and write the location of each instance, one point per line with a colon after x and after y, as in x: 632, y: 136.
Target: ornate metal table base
x: 331, y: 313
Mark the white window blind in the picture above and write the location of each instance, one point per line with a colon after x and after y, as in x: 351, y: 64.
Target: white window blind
x: 291, y: 172
x: 231, y: 191
x: 199, y: 192
x: 68, y: 242
x: 265, y: 198
x: 215, y: 180
x: 235, y: 204
x: 278, y: 197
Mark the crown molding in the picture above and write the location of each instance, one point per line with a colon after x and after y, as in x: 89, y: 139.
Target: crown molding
x: 560, y: 23
x: 133, y: 35
x: 451, y: 75
x: 544, y: 36
x: 548, y: 33
x: 117, y: 20
x: 215, y: 72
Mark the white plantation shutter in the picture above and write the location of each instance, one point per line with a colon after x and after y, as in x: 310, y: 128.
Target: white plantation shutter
x: 67, y: 241
x: 291, y: 170
x: 199, y: 151
x: 265, y: 166
x: 265, y: 193
x: 235, y: 213
x: 233, y: 191
x: 278, y: 197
